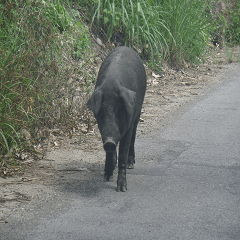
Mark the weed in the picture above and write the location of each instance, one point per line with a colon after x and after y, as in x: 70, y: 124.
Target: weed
x: 175, y: 29
x: 81, y: 45
x: 233, y: 28
x: 225, y: 25
x: 80, y: 138
x: 187, y: 22
x: 229, y: 55
x: 133, y: 23
x: 238, y: 58
x: 35, y: 61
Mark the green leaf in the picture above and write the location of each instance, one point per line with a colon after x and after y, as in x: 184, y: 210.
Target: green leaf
x: 106, y: 20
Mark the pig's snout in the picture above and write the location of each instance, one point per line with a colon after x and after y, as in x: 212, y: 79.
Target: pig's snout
x: 109, y: 145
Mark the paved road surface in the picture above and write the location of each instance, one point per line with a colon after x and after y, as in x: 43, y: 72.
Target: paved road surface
x: 185, y: 185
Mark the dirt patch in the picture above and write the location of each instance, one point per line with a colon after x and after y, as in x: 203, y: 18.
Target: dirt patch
x: 81, y: 152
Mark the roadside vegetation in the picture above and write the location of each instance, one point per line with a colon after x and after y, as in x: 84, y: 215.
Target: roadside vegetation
x: 225, y: 22
x: 38, y: 40
x: 173, y: 30
x: 45, y: 47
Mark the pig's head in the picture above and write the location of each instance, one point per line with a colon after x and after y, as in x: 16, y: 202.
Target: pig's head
x: 113, y: 111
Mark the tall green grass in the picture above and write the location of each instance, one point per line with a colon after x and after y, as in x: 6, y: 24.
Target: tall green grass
x: 15, y: 85
x: 138, y: 22
x: 172, y: 29
x: 189, y: 25
x: 33, y: 37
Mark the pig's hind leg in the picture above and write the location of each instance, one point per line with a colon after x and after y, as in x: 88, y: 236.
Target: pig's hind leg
x: 131, y: 155
x: 123, y: 160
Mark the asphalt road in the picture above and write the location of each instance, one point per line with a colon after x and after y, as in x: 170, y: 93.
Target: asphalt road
x: 185, y: 185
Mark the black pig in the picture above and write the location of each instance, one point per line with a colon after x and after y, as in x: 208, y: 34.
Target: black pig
x: 116, y: 104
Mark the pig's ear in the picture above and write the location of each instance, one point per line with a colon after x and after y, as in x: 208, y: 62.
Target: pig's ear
x: 129, y: 98
x: 95, y: 101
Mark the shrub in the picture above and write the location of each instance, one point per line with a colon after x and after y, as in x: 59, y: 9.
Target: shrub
x: 233, y: 28
x: 188, y: 24
x: 174, y: 30
x: 33, y: 69
x: 133, y: 23
x: 225, y: 24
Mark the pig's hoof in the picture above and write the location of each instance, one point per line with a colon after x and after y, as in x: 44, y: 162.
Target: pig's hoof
x: 121, y: 188
x: 130, y: 162
x: 108, y: 178
x: 130, y: 166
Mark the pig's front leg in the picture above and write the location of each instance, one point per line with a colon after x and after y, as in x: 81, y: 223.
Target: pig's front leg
x: 122, y: 161
x: 110, y: 165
